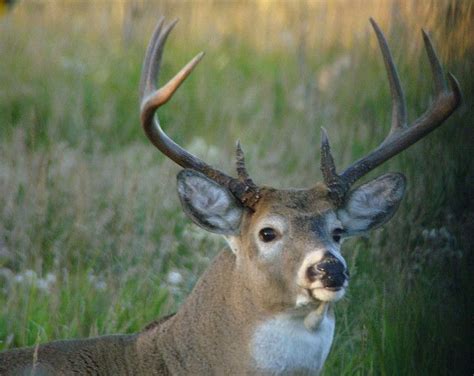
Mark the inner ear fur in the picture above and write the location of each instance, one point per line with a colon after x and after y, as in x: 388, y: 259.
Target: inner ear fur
x: 208, y: 204
x: 372, y: 204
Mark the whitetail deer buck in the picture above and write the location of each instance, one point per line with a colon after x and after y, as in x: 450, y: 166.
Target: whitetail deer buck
x: 266, y: 305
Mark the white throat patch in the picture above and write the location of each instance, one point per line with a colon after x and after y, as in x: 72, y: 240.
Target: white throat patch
x: 283, y: 345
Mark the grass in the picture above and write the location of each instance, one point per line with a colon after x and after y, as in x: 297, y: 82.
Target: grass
x: 90, y: 225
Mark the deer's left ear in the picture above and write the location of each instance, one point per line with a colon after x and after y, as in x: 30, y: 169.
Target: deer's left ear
x: 209, y: 204
x: 372, y: 204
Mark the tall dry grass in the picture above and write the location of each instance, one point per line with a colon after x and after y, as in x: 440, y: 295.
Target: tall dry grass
x: 92, y: 239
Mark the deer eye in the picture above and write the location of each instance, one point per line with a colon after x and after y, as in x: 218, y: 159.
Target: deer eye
x: 337, y: 234
x: 267, y: 234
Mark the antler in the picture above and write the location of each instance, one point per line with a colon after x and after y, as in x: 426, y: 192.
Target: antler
x: 401, y: 136
x: 151, y: 98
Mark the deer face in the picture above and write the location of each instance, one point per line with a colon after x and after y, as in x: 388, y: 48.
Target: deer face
x: 288, y: 247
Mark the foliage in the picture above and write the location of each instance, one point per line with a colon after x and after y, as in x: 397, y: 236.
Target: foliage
x: 92, y: 239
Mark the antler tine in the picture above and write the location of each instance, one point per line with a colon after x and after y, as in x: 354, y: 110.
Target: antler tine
x: 400, y: 137
x: 455, y: 87
x: 157, y: 52
x: 337, y: 187
x: 151, y: 68
x: 436, y: 68
x: 328, y: 167
x: 399, y: 107
x: 147, y: 80
x: 152, y: 98
x: 240, y: 162
x: 242, y: 173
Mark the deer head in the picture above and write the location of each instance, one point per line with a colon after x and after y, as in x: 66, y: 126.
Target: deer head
x: 287, y: 242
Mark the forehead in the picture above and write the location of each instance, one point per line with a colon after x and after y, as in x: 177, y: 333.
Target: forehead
x: 295, y: 202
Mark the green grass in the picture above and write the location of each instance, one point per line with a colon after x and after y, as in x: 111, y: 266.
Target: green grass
x: 86, y: 200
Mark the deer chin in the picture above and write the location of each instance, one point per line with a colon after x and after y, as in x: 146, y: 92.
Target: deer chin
x: 309, y: 299
x: 328, y: 294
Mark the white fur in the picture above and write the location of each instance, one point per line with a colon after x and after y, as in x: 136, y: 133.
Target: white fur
x: 313, y: 320
x: 311, y: 258
x: 372, y: 204
x: 233, y: 242
x: 283, y: 345
x: 217, y: 204
x: 318, y: 292
x: 356, y: 217
x: 268, y: 251
x: 303, y: 299
x: 325, y: 295
x: 332, y: 221
x: 208, y: 204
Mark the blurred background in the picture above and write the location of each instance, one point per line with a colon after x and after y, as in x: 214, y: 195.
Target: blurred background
x: 92, y: 237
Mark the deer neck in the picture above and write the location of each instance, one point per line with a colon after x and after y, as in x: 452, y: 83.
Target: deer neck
x: 208, y: 332
x: 221, y: 327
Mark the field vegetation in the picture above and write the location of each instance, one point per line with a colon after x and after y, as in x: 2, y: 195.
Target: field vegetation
x: 92, y: 237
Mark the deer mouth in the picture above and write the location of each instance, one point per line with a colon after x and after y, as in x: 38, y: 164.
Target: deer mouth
x: 328, y: 293
x: 333, y: 288
x: 329, y: 286
x: 308, y: 298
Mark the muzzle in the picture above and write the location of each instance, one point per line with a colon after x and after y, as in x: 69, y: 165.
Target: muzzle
x: 330, y: 271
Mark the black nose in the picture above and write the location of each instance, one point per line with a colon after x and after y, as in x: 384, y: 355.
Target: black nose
x: 330, y: 270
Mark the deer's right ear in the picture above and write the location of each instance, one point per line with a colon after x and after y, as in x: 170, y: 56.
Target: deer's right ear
x: 209, y: 204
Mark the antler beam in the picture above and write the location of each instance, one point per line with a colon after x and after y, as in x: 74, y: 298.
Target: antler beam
x: 401, y: 136
x: 152, y: 97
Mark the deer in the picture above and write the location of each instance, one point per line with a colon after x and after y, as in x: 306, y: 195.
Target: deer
x: 265, y: 305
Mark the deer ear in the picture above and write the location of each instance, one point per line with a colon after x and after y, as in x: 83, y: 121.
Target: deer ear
x: 372, y: 204
x: 209, y: 204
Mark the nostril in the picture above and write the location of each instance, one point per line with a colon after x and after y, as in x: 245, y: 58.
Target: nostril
x: 331, y: 271
x: 333, y: 280
x: 331, y: 265
x: 312, y: 273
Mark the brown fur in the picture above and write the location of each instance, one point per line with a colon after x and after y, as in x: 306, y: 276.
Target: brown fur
x: 240, y: 318
x: 210, y: 332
